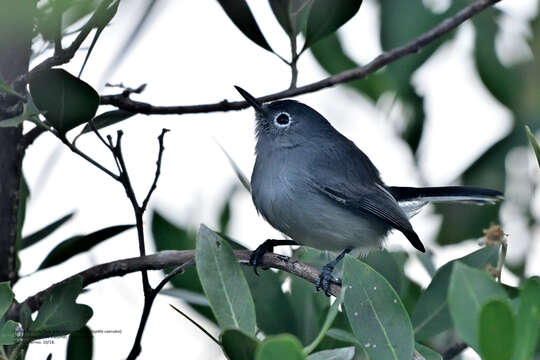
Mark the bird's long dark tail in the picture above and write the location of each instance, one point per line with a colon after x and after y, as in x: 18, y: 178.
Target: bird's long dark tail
x: 412, y: 199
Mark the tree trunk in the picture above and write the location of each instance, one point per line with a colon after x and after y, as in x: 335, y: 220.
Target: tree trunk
x: 16, y: 27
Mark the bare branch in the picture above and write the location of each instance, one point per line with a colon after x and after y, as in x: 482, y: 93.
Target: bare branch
x: 124, y: 102
x: 158, y: 169
x: 168, y: 259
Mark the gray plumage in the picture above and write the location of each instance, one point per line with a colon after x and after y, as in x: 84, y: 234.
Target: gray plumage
x: 313, y: 184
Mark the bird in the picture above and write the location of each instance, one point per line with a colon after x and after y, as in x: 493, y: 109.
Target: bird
x: 318, y: 188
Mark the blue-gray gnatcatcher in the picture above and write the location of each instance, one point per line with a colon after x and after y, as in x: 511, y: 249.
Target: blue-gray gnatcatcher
x: 313, y: 184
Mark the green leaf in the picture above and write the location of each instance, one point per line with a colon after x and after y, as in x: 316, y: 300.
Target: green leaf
x: 307, y: 307
x: 496, y: 330
x: 8, y: 333
x: 469, y: 289
x: 346, y: 353
x: 103, y: 15
x: 239, y: 174
x: 6, y: 297
x: 240, y: 14
x: 66, y: 100
x: 325, y: 17
x: 190, y: 297
x: 237, y: 345
x: 59, y: 314
x: 330, y: 317
x: 45, y: 231
x: 534, y: 143
x: 528, y: 318
x: 108, y: 118
x: 342, y: 335
x: 169, y: 236
x: 291, y: 14
x: 224, y: 283
x: 377, y: 316
x: 5, y: 88
x: 280, y: 347
x: 385, y: 264
x: 80, y: 345
x: 25, y: 316
x: 427, y: 353
x: 268, y: 296
x: 79, y: 244
x: 426, y: 261
x: 431, y: 315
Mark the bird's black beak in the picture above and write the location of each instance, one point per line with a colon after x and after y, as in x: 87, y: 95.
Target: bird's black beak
x: 250, y: 100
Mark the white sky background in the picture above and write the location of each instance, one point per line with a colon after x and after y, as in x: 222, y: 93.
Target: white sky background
x: 192, y: 54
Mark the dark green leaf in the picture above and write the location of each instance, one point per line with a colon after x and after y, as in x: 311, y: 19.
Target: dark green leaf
x: 496, y: 330
x: 528, y: 318
x: 80, y: 345
x: 240, y: 14
x: 237, y: 345
x: 280, y: 347
x: 108, y: 118
x: 101, y: 19
x: 6, y: 297
x: 224, y: 283
x: 308, y: 308
x: 8, y: 334
x: 427, y: 353
x: 427, y: 262
x: 25, y: 316
x: 66, y: 100
x: 79, y: 244
x: 291, y: 14
x: 346, y: 353
x: 325, y: 17
x: 377, y: 316
x: 431, y: 315
x: 268, y: 296
x: 469, y: 289
x: 330, y: 317
x: 59, y: 314
x: 343, y: 336
x: 534, y: 144
x: 383, y: 263
x: 45, y: 231
x: 190, y: 297
x: 169, y: 236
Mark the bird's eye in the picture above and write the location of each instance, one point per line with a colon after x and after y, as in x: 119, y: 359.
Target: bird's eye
x: 282, y: 119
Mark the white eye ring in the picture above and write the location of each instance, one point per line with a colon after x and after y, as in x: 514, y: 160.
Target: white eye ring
x: 282, y: 119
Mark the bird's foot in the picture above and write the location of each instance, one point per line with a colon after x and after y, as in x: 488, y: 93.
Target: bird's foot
x: 256, y: 258
x: 326, y: 279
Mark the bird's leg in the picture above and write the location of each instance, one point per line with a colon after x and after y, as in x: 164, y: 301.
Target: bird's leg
x: 326, y: 278
x: 268, y: 246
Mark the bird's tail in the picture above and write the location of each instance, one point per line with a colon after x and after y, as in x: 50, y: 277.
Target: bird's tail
x: 412, y: 199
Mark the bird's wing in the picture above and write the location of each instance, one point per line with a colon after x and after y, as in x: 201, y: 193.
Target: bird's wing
x: 374, y: 201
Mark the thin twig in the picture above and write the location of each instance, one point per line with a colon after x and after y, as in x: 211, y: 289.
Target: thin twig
x: 125, y: 103
x: 63, y: 56
x: 197, y: 325
x: 158, y: 170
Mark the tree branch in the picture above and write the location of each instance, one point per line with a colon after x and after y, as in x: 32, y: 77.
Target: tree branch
x: 168, y: 259
x: 122, y: 101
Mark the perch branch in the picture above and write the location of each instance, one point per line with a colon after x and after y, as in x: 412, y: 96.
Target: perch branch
x: 170, y: 259
x: 123, y: 101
